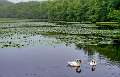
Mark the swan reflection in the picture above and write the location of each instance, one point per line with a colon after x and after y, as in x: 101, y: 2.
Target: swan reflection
x: 93, y: 68
x: 76, y: 69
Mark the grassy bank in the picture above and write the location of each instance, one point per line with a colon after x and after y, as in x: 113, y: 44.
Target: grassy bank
x: 15, y: 20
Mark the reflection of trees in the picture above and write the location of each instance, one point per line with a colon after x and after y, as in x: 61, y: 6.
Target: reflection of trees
x: 110, y: 51
x: 87, y: 50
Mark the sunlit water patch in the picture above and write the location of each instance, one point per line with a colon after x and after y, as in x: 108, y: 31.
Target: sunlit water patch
x: 21, y: 40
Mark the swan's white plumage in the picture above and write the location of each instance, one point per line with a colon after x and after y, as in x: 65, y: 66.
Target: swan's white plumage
x: 74, y: 63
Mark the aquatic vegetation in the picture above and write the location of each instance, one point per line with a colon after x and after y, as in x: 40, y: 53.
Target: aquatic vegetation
x: 87, y: 34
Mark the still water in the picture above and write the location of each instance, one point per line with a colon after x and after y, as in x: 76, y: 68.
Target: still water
x: 25, y: 54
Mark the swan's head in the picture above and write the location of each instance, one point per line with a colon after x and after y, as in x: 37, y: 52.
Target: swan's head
x: 93, y: 60
x: 78, y: 60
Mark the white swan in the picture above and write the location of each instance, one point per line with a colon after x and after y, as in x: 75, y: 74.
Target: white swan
x: 93, y: 63
x: 75, y: 63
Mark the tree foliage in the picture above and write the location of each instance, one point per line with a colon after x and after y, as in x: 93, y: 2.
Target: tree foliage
x: 24, y: 10
x: 64, y: 10
x: 84, y: 10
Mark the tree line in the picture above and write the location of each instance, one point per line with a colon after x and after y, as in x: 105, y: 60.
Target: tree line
x: 84, y: 10
x: 30, y: 10
x: 65, y: 10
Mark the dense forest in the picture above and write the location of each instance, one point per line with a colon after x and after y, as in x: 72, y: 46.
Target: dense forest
x: 63, y: 10
x: 32, y: 9
x: 85, y: 10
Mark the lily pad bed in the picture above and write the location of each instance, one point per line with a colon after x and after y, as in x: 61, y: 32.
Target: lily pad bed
x: 20, y: 34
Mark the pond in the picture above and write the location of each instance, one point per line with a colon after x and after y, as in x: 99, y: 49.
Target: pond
x: 42, y: 50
